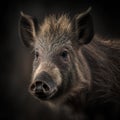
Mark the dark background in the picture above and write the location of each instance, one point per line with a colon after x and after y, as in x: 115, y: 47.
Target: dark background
x: 15, y: 61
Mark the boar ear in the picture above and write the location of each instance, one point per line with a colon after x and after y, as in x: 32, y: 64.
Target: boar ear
x: 28, y: 28
x: 84, y: 27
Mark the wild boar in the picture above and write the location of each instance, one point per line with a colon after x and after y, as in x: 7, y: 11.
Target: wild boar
x: 72, y: 66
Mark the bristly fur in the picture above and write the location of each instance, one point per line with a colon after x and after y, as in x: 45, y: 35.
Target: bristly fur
x: 91, y: 73
x: 103, y: 65
x: 55, y: 24
x: 55, y: 31
x: 103, y: 57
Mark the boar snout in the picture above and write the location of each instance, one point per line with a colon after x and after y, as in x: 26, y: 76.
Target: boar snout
x: 43, y: 86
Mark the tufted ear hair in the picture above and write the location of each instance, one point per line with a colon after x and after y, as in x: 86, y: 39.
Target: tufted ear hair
x: 84, y: 27
x: 28, y: 27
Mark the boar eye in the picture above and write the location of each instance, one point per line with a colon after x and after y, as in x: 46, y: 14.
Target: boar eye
x: 36, y: 54
x: 64, y: 55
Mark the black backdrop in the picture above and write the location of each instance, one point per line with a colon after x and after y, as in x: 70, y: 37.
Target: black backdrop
x: 15, y: 61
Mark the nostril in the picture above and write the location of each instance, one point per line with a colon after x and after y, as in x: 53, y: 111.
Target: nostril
x: 46, y: 87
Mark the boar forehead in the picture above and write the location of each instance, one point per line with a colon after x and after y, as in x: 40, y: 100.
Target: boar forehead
x: 55, y: 33
x: 56, y: 44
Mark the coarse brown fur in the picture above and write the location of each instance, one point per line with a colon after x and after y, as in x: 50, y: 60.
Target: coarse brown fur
x: 91, y: 73
x: 103, y: 58
x: 106, y: 53
x: 104, y: 61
